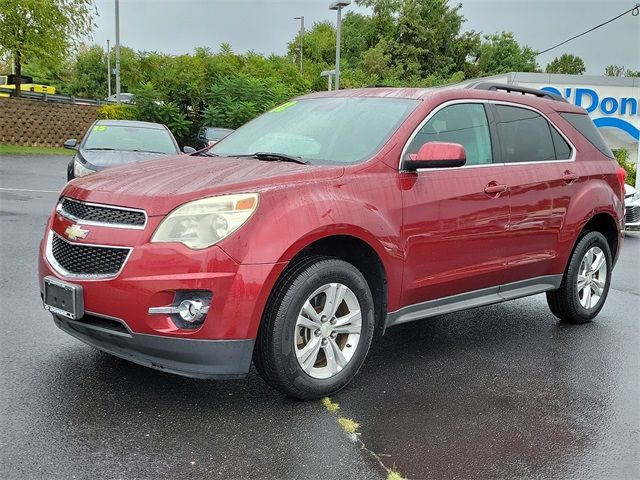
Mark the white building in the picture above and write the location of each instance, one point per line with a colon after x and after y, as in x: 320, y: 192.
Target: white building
x: 612, y: 102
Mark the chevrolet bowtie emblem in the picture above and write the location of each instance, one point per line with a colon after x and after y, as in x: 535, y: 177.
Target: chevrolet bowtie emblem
x: 74, y: 232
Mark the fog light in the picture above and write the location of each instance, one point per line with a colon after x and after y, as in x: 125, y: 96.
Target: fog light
x: 188, y: 310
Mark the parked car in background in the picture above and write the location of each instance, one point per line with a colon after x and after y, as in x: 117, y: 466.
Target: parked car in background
x: 632, y: 207
x: 208, y: 136
x: 114, y: 142
x: 331, y: 218
x: 26, y: 85
x: 124, y: 98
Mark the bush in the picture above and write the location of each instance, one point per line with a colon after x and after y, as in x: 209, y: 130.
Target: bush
x: 151, y: 108
x: 117, y: 112
x: 170, y: 114
x: 622, y: 155
x: 234, y: 100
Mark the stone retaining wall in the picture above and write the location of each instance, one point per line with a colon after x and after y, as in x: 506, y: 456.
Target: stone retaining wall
x: 43, y: 124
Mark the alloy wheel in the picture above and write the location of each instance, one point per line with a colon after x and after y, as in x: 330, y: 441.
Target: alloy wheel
x: 592, y: 277
x: 328, y: 330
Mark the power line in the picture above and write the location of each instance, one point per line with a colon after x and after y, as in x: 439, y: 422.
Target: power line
x: 635, y: 10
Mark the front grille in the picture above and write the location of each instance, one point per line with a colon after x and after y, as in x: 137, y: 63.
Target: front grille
x: 632, y: 214
x: 79, y: 259
x: 76, y: 210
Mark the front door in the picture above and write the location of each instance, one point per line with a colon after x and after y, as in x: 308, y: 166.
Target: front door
x: 455, y: 219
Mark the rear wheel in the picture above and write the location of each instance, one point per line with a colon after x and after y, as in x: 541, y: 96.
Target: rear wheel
x: 316, y: 330
x: 586, y: 282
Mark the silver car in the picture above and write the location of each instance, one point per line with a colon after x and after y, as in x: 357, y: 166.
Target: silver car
x: 632, y: 207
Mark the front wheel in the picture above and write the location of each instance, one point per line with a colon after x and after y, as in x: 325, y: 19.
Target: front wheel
x: 586, y: 282
x: 316, y: 330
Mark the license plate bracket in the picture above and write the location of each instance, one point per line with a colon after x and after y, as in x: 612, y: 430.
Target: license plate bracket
x: 63, y: 298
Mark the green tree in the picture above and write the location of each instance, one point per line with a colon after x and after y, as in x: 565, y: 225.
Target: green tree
x: 501, y: 53
x: 620, y: 71
x: 566, y: 63
x: 42, y: 29
x: 57, y: 75
x: 319, y: 44
x: 89, y: 73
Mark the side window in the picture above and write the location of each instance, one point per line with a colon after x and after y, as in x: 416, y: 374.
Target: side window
x: 525, y: 136
x: 464, y: 123
x: 563, y: 150
x: 585, y: 126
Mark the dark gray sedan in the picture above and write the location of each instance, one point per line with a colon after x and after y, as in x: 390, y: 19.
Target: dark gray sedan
x: 113, y: 142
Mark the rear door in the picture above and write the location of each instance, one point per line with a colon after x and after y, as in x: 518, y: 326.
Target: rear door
x: 541, y: 176
x: 455, y: 219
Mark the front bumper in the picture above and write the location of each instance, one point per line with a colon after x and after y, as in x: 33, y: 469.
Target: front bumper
x: 632, y: 216
x: 212, y: 359
x: 117, y: 318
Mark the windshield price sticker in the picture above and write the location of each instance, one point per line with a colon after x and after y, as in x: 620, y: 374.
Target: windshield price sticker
x: 283, y: 106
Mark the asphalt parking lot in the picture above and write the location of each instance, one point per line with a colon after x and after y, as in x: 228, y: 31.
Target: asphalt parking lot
x: 498, y: 392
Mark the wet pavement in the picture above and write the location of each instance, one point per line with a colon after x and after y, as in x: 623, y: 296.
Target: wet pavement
x: 498, y: 392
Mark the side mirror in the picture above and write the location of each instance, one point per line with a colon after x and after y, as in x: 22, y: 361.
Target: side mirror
x: 71, y: 144
x: 186, y: 149
x: 436, y: 155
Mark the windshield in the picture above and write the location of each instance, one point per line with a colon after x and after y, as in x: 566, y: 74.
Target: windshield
x: 321, y: 130
x: 130, y: 138
x: 216, y: 133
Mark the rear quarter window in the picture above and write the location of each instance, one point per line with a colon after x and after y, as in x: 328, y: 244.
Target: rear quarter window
x: 585, y: 126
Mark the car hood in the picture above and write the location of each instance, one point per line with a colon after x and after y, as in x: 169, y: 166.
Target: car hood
x: 161, y: 185
x: 100, y: 159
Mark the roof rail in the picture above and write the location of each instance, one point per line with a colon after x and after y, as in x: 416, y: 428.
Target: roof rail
x: 516, y: 89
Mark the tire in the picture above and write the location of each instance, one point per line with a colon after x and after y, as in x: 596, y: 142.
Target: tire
x: 280, y: 347
x: 70, y: 175
x: 569, y: 303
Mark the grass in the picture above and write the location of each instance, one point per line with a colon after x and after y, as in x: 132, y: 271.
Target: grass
x: 332, y: 407
x: 22, y: 150
x: 348, y: 425
x: 394, y: 475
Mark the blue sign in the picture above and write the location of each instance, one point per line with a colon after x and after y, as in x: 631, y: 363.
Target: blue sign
x: 610, y: 107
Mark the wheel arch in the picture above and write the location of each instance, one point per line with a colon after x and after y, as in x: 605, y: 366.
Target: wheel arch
x: 604, y: 223
x: 355, y: 250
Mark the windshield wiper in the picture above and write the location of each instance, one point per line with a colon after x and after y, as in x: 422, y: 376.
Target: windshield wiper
x: 278, y: 157
x: 146, y: 151
x: 99, y: 148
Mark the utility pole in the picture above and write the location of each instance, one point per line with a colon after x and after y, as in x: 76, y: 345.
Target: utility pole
x: 301, y: 39
x: 338, y: 5
x: 108, y: 69
x: 118, y: 51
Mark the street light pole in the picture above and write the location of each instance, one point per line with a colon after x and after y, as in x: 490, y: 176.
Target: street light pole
x: 118, y: 51
x: 301, y: 38
x: 339, y: 5
x: 108, y: 69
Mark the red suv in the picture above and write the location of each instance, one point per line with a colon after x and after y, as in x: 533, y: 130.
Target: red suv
x: 329, y: 219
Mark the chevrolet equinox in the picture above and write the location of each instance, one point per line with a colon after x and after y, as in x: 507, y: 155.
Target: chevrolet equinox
x: 330, y: 218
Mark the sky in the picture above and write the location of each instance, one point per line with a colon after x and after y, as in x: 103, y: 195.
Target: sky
x: 266, y: 26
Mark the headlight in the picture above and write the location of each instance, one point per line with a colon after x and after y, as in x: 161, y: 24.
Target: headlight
x: 635, y: 197
x: 80, y: 170
x: 205, y: 222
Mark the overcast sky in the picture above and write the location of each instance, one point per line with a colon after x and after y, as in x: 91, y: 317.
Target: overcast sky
x: 265, y: 26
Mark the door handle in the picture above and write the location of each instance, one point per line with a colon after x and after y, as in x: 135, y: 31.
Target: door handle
x: 569, y: 177
x: 495, y: 189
